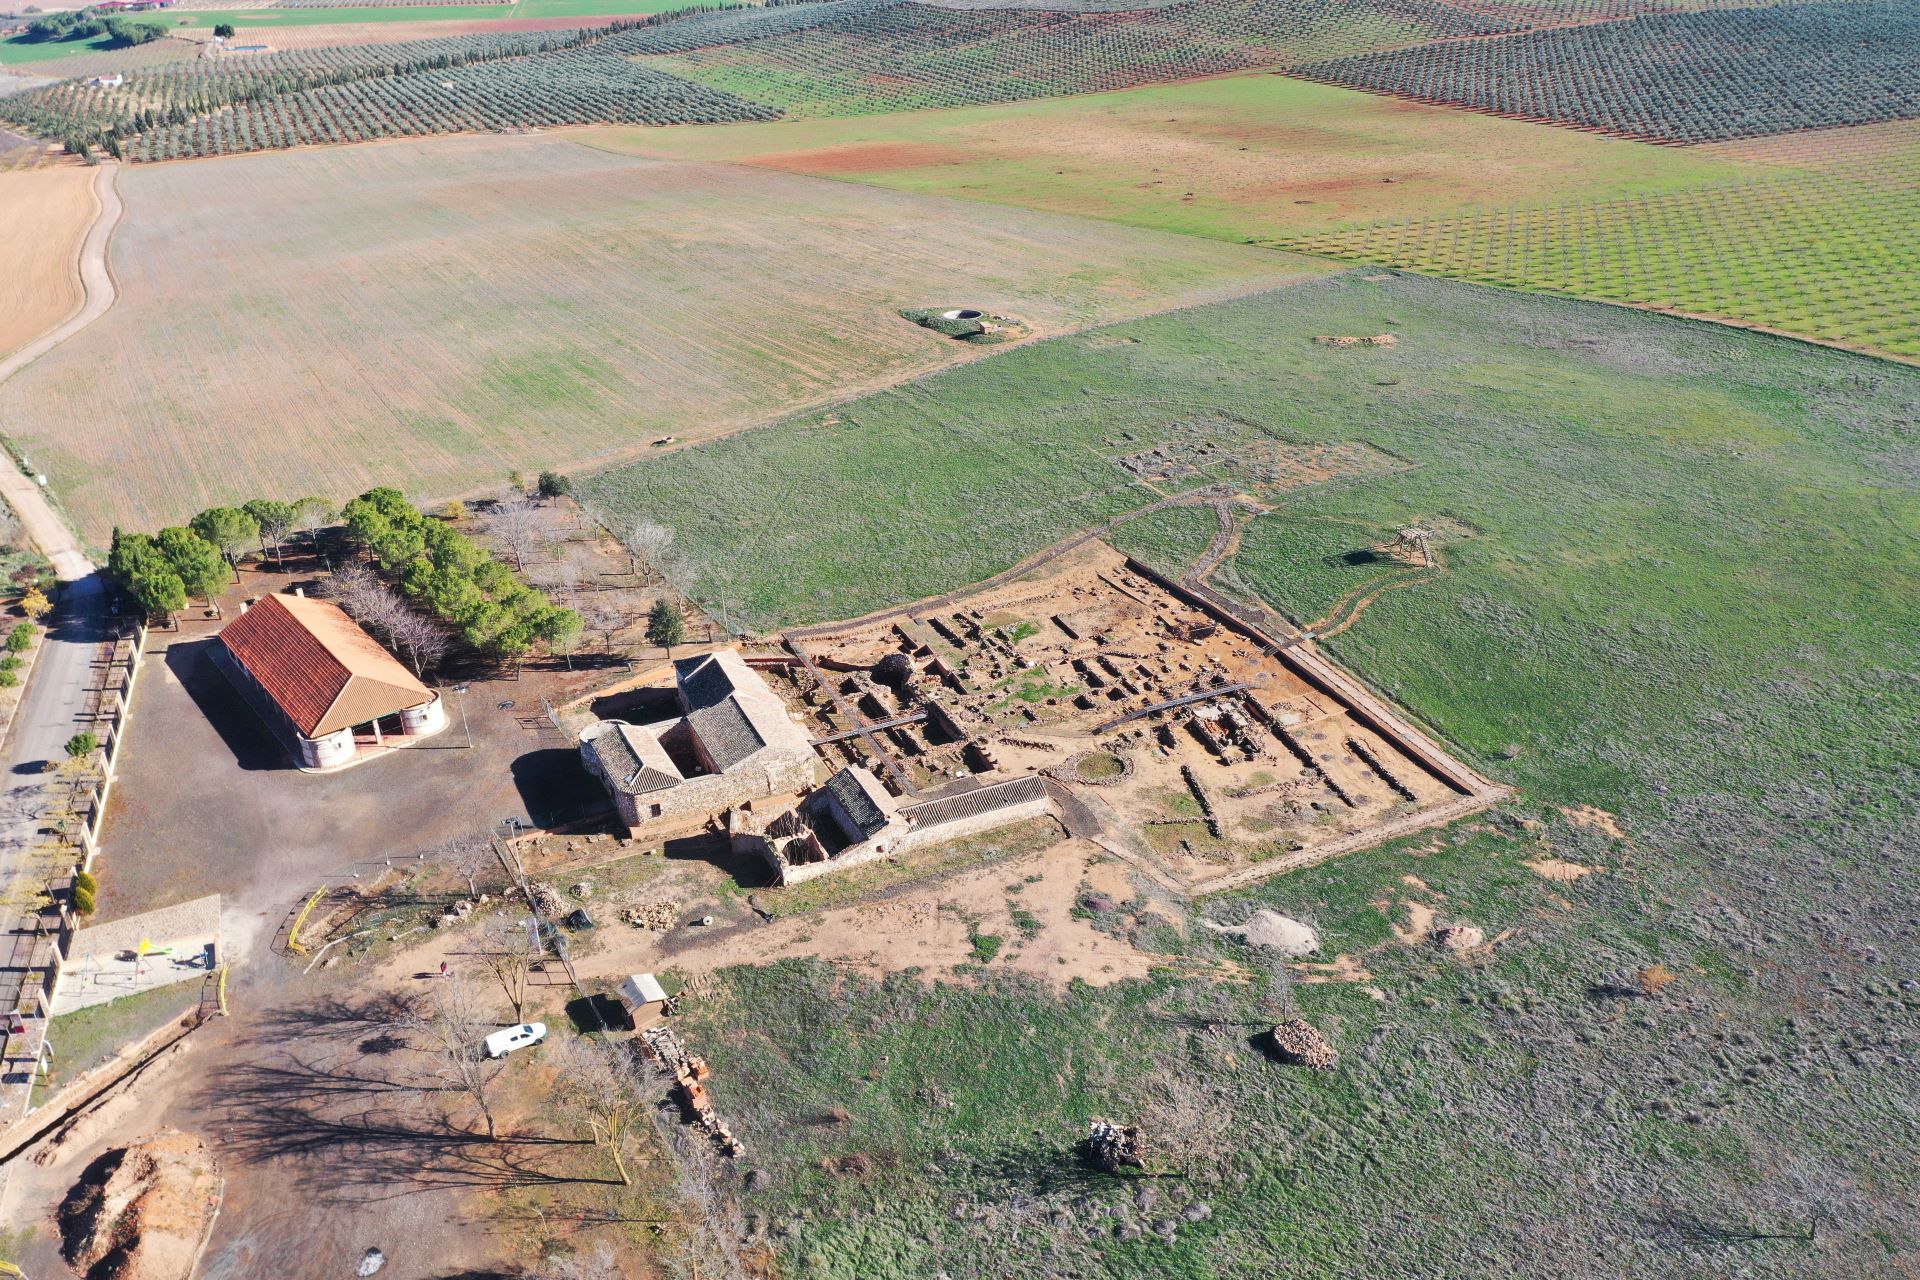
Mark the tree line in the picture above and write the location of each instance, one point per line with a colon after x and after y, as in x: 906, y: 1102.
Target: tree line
x: 162, y: 571
x: 457, y: 580
x: 85, y: 24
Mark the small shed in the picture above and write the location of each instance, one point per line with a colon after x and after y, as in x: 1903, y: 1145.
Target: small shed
x: 644, y: 999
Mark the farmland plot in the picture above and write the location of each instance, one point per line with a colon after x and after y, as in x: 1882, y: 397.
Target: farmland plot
x: 1254, y: 156
x: 454, y: 310
x: 1685, y: 77
x: 46, y: 213
x: 889, y: 57
x: 1823, y: 247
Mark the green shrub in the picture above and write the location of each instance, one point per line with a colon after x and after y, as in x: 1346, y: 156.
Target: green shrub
x: 84, y: 743
x: 8, y: 679
x: 82, y: 899
x: 86, y: 880
x: 21, y: 637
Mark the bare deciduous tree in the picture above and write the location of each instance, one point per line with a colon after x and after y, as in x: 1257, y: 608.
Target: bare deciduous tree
x: 563, y: 577
x: 509, y: 964
x: 602, y: 1095
x: 707, y: 1247
x: 422, y: 639
x: 455, y: 1024
x: 473, y: 855
x: 604, y: 619
x: 515, y: 523
x: 1186, y: 1123
x: 647, y: 545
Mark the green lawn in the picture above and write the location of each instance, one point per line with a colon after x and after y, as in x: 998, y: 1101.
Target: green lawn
x: 1681, y: 583
x: 85, y: 1038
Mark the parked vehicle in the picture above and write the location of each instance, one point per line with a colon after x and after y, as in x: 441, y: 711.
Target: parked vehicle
x: 507, y: 1039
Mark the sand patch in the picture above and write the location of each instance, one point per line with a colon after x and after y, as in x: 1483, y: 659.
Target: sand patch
x: 870, y: 157
x: 931, y: 931
x: 1559, y: 869
x: 1586, y: 815
x: 1339, y: 969
x: 1419, y: 924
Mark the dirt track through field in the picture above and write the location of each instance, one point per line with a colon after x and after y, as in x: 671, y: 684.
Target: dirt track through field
x: 96, y: 292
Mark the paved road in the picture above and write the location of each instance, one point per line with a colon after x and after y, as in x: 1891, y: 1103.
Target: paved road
x: 53, y: 704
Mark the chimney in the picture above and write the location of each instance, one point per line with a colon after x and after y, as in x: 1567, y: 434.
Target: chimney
x: 244, y: 604
x: 301, y: 592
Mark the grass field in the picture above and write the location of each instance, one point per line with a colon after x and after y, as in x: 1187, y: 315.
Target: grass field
x: 46, y: 213
x: 60, y: 58
x: 456, y: 309
x: 1826, y: 251
x: 1255, y: 156
x: 1680, y: 583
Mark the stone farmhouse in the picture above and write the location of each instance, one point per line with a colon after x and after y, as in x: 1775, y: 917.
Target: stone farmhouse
x: 325, y: 687
x: 854, y: 820
x: 732, y: 743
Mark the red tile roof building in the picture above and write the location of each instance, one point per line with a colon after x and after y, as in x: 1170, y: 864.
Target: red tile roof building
x: 313, y: 674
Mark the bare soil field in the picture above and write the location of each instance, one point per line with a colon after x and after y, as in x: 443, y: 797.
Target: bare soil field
x: 459, y: 308
x: 46, y: 213
x: 1247, y: 156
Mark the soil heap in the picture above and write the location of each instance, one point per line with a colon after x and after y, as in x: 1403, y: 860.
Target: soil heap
x: 1265, y: 928
x: 1458, y: 937
x: 141, y: 1212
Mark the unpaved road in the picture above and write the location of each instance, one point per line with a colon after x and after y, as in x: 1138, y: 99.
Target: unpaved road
x: 43, y: 524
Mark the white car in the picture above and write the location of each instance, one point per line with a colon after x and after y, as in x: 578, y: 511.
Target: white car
x: 507, y: 1039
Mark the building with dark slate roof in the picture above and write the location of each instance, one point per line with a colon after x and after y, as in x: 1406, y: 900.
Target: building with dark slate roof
x: 733, y: 742
x: 853, y: 819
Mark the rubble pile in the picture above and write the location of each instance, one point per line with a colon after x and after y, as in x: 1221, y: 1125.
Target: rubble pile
x: 1299, y: 1042
x: 1115, y: 1147
x: 690, y: 1076
x: 658, y: 916
x: 546, y: 899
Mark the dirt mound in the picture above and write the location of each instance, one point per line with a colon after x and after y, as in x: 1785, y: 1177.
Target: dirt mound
x: 141, y: 1212
x: 1458, y: 937
x: 1265, y: 928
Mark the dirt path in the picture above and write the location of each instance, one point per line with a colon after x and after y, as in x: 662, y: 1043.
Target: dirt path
x: 43, y: 524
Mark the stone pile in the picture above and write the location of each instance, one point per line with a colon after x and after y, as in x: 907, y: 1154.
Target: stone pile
x: 1299, y: 1042
x: 658, y: 916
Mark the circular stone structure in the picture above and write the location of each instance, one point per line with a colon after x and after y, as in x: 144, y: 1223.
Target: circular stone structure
x: 1096, y: 768
x: 962, y: 313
